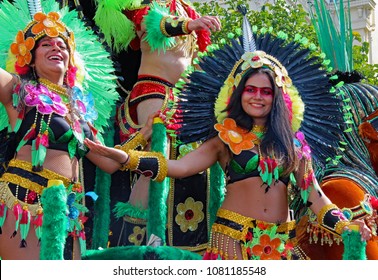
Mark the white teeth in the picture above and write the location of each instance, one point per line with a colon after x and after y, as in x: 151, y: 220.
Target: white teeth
x: 55, y: 57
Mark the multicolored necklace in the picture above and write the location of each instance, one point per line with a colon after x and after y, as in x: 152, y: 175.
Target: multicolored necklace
x: 61, y: 91
x: 259, y: 131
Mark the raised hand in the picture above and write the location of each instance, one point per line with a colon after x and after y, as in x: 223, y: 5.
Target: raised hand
x: 208, y: 23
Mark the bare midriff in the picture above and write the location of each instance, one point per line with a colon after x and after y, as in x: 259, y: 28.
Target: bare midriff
x: 248, y: 197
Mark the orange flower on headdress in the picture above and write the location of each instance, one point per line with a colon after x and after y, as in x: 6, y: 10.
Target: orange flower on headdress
x: 236, y: 138
x: 49, y: 23
x: 268, y: 248
x: 22, y: 49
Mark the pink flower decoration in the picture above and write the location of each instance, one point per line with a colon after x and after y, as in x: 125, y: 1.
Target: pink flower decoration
x: 339, y: 214
x: 45, y: 101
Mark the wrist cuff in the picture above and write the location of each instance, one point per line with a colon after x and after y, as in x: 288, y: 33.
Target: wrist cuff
x: 172, y: 26
x: 332, y: 219
x: 149, y: 164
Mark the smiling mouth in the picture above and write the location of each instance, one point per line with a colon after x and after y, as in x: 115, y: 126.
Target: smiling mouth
x: 55, y: 58
x: 257, y: 105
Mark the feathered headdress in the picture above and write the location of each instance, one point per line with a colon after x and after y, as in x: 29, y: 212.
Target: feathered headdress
x: 23, y: 22
x: 303, y: 76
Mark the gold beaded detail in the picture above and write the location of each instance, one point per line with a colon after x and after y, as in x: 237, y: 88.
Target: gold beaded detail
x: 62, y: 91
x: 136, y: 157
x: 26, y: 183
x: 185, y: 28
x: 136, y: 141
x: 324, y: 210
x: 10, y: 200
x: 339, y: 225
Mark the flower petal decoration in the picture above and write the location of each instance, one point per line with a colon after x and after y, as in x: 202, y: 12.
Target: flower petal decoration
x: 49, y: 23
x: 44, y: 100
x: 255, y: 60
x: 189, y: 214
x: 83, y: 104
x: 21, y: 48
x: 137, y: 236
x: 236, y: 138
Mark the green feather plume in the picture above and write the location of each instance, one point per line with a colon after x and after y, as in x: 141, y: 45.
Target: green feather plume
x: 54, y: 227
x: 141, y: 253
x: 335, y: 35
x: 116, y: 27
x: 354, y: 248
x: 155, y: 38
x: 158, y: 191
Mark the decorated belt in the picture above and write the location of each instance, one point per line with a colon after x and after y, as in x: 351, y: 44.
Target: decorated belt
x: 237, y: 225
x: 20, y: 173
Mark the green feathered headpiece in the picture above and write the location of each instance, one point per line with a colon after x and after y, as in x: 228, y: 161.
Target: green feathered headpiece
x: 95, y: 68
x: 118, y: 30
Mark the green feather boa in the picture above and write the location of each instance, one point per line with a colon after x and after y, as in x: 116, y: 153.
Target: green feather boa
x: 101, y: 223
x: 158, y: 191
x: 141, y: 253
x: 217, y: 188
x: 54, y: 226
x: 354, y: 248
x: 124, y: 208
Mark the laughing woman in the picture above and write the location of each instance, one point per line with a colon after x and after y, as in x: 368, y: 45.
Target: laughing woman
x: 49, y: 117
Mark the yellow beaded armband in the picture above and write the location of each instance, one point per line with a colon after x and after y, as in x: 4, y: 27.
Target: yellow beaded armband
x: 332, y: 219
x: 149, y: 164
x: 172, y: 26
x: 135, y: 142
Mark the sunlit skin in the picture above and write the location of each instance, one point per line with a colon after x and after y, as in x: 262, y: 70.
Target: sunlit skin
x: 257, y: 98
x: 51, y: 59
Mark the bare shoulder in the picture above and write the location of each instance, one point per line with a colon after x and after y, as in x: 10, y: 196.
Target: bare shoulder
x: 218, y: 147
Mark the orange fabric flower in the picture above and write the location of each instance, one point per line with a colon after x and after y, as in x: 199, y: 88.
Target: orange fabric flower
x: 22, y: 49
x: 49, y: 23
x: 267, y: 249
x: 235, y: 137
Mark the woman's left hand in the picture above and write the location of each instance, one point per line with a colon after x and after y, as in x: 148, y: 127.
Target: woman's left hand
x: 363, y: 228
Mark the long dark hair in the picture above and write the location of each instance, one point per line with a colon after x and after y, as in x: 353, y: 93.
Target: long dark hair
x: 279, y: 137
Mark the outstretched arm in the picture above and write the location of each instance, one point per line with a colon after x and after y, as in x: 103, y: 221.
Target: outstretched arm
x: 192, y: 163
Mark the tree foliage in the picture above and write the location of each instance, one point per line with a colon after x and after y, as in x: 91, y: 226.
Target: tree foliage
x: 280, y: 16
x: 360, y: 60
x: 291, y: 19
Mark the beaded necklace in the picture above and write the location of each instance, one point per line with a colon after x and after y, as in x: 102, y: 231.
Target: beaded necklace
x: 259, y: 131
x: 60, y: 90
